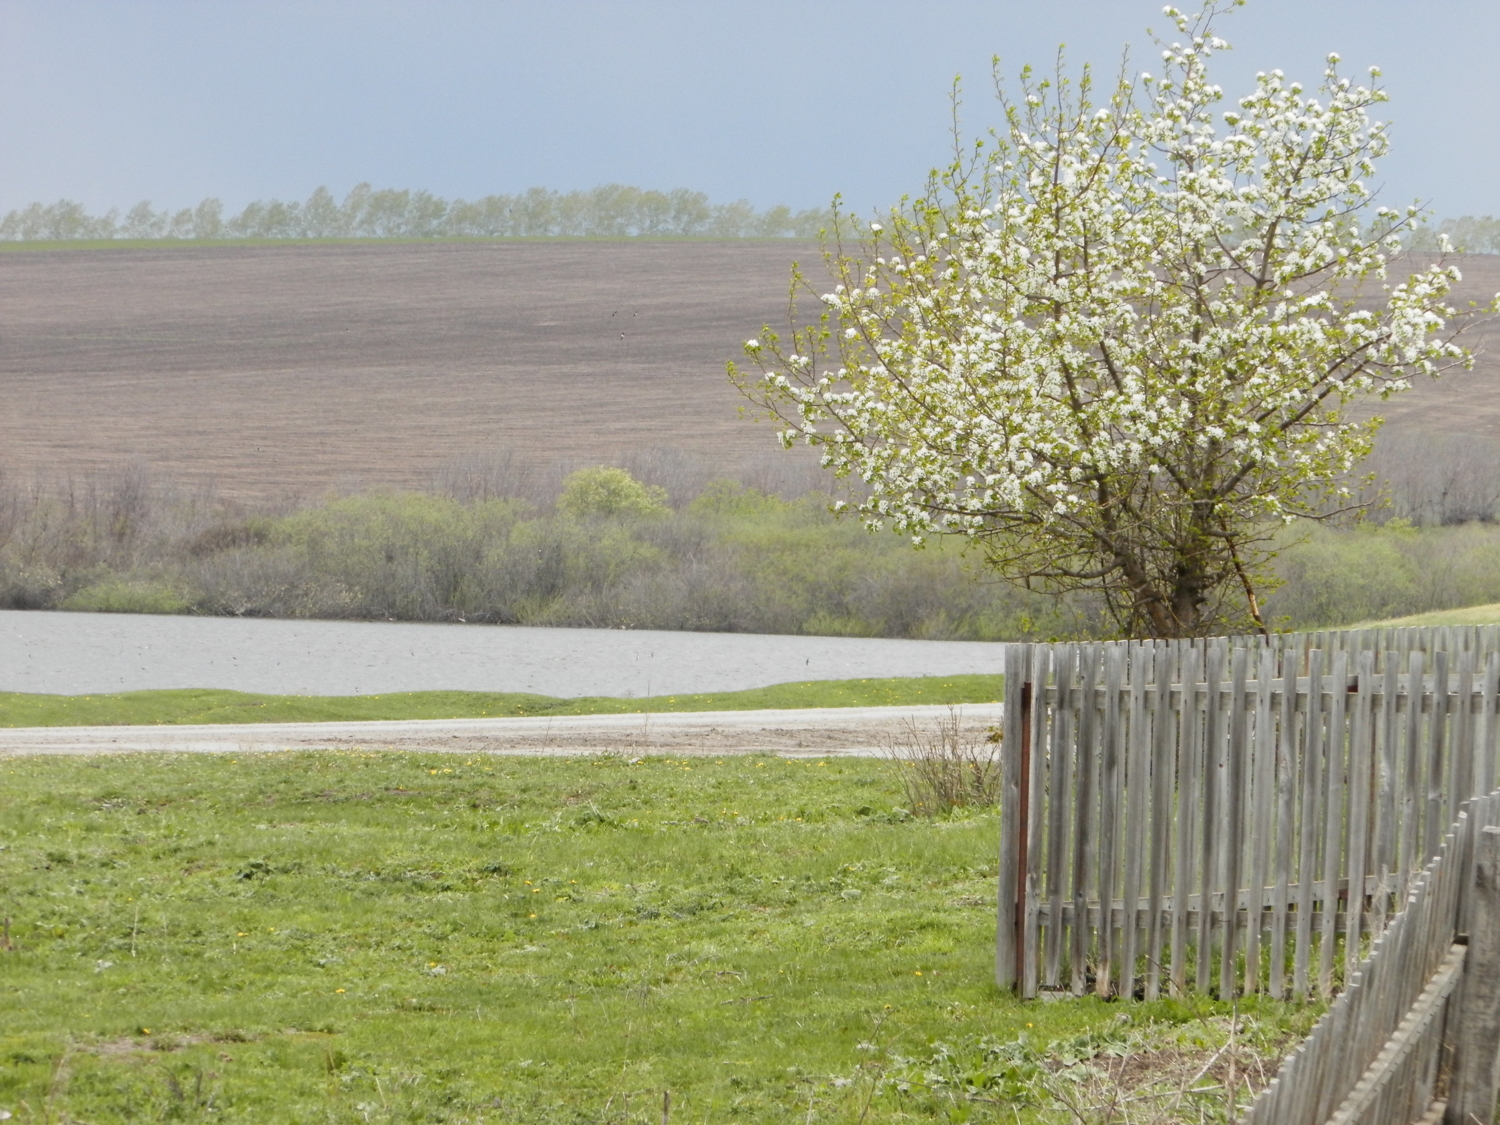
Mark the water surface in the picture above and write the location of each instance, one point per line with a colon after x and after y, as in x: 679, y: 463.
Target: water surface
x: 79, y: 653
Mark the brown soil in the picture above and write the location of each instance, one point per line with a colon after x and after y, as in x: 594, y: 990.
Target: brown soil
x: 1461, y: 402
x: 287, y: 370
x: 296, y: 369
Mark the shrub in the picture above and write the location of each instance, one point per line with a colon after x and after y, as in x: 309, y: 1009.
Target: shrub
x: 605, y: 491
x: 126, y: 595
x: 946, y: 767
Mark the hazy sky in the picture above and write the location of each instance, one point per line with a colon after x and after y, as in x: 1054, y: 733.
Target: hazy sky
x: 112, y: 101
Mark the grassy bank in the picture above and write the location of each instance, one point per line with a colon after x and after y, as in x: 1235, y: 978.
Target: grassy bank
x: 1471, y: 615
x: 19, y: 709
x: 354, y: 937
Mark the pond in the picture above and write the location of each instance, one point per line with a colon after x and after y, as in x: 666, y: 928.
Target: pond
x: 79, y: 653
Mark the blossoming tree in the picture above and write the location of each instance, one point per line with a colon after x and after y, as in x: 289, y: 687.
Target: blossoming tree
x: 1117, y: 346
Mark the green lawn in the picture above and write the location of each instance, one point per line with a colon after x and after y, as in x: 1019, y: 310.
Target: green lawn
x: 211, y: 706
x: 383, y: 937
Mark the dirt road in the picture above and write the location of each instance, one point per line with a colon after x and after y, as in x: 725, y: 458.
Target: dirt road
x: 813, y: 732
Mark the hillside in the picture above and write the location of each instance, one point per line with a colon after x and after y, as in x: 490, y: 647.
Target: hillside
x: 275, y: 370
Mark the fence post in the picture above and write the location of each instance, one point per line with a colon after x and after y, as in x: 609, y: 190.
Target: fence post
x: 1010, y: 918
x: 1477, y: 1045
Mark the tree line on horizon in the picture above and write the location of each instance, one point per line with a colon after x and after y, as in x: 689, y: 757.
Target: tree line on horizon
x: 607, y: 211
x: 1472, y: 234
x: 610, y: 211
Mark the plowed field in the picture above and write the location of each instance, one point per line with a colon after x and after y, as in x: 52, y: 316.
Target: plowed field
x: 293, y: 369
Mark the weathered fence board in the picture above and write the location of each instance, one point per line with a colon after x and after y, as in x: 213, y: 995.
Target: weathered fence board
x: 1236, y: 814
x: 1472, y: 1097
x: 1415, y: 1033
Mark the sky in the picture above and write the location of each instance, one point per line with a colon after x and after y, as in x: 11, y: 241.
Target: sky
x: 109, y: 102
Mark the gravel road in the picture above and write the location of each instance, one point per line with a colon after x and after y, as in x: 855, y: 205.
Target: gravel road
x: 811, y: 732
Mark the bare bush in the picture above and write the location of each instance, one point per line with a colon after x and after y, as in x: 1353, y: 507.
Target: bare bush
x: 681, y: 473
x: 501, y: 476
x: 250, y: 583
x: 1436, y: 479
x: 946, y: 767
x: 686, y: 473
x: 791, y: 473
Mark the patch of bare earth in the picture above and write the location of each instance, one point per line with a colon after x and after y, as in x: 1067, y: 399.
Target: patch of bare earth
x: 1172, y: 1082
x: 127, y: 1046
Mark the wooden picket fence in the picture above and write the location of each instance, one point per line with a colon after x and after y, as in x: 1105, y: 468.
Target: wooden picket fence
x: 1230, y: 815
x: 1415, y: 1034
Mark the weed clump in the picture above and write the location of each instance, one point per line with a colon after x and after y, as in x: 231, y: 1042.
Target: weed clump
x: 946, y: 767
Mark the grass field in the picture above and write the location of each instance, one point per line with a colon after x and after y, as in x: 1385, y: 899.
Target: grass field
x: 357, y: 937
x: 1470, y: 615
x: 19, y: 709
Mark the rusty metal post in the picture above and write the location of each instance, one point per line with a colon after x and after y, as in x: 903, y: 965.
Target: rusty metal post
x: 1023, y: 834
x: 1009, y: 916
